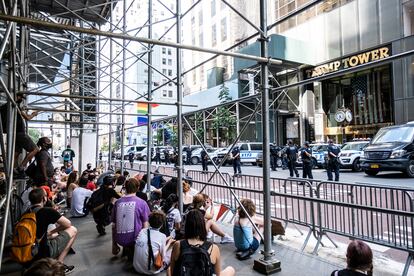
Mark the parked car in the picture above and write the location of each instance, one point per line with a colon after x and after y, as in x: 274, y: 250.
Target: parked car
x: 143, y: 155
x: 259, y: 158
x: 248, y: 153
x: 350, y: 155
x: 127, y: 150
x: 196, y: 155
x: 194, y: 148
x: 392, y: 149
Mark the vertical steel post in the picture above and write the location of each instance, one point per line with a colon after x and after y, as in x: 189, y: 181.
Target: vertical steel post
x: 110, y: 87
x: 82, y: 93
x: 149, y: 127
x: 123, y: 84
x: 237, y: 119
x: 267, y: 264
x: 204, y: 128
x: 179, y: 112
x: 98, y: 87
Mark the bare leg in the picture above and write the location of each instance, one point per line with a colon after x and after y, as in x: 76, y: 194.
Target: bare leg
x: 211, y: 225
x: 29, y: 157
x: 228, y: 271
x: 72, y: 231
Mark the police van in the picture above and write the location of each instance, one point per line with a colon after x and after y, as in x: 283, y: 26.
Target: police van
x: 249, y: 152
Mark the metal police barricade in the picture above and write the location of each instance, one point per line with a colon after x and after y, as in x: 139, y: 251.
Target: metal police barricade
x: 391, y: 230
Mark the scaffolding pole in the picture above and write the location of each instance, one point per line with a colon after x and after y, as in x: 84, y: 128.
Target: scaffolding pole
x: 179, y: 111
x: 110, y: 90
x: 149, y: 107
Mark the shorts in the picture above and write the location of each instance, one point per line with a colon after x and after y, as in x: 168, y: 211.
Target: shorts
x: 58, y: 244
x: 23, y: 141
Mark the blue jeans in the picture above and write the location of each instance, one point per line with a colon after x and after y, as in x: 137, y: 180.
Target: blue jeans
x: 237, y: 166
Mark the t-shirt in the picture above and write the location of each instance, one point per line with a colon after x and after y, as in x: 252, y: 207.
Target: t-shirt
x: 234, y: 152
x: 68, y: 155
x: 346, y: 272
x: 158, y: 242
x: 129, y: 215
x: 78, y: 201
x: 43, y: 156
x: 173, y: 217
x: 44, y: 217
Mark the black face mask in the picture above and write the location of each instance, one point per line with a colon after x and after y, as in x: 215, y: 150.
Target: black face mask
x: 48, y: 146
x: 19, y: 101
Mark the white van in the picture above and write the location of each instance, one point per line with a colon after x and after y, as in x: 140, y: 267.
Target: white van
x: 248, y: 153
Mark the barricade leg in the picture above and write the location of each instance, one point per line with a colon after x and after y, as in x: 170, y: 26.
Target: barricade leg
x: 306, y: 240
x: 407, y: 264
x: 329, y: 238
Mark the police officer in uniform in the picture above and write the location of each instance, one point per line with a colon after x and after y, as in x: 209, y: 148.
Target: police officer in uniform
x: 204, y: 159
x: 167, y: 156
x: 235, y: 153
x: 292, y: 154
x: 274, y: 153
x: 158, y: 156
x: 333, y: 163
x: 306, y: 154
x: 188, y: 151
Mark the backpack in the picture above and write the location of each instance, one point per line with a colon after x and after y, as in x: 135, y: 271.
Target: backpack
x: 195, y: 260
x: 24, y: 244
x: 96, y: 201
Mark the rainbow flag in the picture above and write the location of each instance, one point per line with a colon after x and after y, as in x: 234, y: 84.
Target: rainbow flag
x: 142, y: 108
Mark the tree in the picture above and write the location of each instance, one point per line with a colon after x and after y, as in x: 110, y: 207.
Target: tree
x: 34, y: 134
x: 223, y: 120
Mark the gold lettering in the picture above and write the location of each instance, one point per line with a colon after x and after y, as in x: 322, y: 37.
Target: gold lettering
x: 363, y: 58
x: 336, y: 65
x: 374, y: 54
x: 353, y: 61
x: 384, y: 52
x: 345, y: 61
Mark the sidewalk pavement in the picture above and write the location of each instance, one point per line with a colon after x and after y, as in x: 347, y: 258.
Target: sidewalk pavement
x: 93, y: 257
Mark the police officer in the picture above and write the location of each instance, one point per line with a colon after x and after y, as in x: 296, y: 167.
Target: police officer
x: 166, y: 156
x: 235, y: 154
x: 306, y: 154
x: 204, y: 159
x: 158, y: 156
x: 292, y: 154
x: 274, y: 154
x: 333, y: 164
x: 131, y: 157
x: 188, y: 151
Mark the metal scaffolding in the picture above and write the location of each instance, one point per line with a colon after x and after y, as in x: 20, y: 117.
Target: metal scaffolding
x: 36, y: 40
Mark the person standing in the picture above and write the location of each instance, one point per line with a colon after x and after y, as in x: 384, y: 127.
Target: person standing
x: 333, y: 163
x: 44, y: 170
x: 292, y: 153
x: 68, y: 154
x: 235, y: 153
x: 188, y: 151
x: 158, y: 156
x: 131, y: 157
x: 306, y: 154
x: 274, y: 153
x: 167, y: 156
x: 204, y: 159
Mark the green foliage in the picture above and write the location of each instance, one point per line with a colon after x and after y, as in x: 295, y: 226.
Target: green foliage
x: 34, y: 134
x: 223, y: 120
x: 159, y: 136
x: 198, y: 118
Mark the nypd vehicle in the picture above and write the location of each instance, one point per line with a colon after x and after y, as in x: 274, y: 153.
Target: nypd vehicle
x: 350, y: 155
x: 248, y: 153
x: 319, y: 155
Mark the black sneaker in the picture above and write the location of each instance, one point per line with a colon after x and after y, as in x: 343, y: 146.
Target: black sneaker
x: 68, y: 269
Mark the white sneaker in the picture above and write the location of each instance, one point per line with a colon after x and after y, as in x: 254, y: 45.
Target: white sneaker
x: 226, y: 239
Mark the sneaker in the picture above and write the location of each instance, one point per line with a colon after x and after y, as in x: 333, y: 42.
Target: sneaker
x: 68, y: 269
x: 226, y: 239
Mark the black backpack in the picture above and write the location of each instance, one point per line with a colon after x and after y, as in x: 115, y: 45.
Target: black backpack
x: 96, y: 201
x: 195, y: 260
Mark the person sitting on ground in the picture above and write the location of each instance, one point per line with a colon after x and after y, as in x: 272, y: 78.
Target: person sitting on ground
x: 79, y: 198
x: 57, y: 242
x: 198, y: 204
x: 46, y: 267
x: 101, y: 203
x: 187, y: 197
x: 91, y: 182
x: 173, y: 215
x: 129, y: 216
x: 195, y: 236
x: 71, y: 185
x: 157, y: 181
x: 140, y: 193
x: 358, y: 259
x: 150, y: 244
x: 44, y: 171
x: 247, y: 240
x: 69, y: 167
